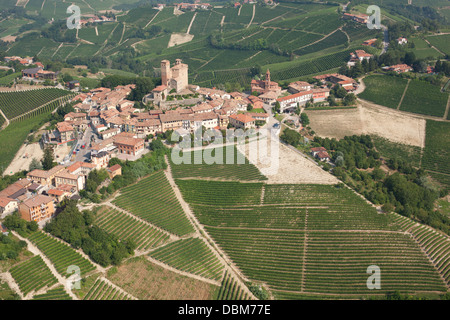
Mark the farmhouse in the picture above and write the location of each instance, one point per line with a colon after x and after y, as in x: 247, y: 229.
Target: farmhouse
x: 320, y: 153
x: 347, y: 83
x: 360, y: 18
x: 399, y: 68
x: 359, y: 55
x: 292, y: 100
x: 115, y: 170
x: 402, y: 41
x: 38, y: 74
x: 370, y: 42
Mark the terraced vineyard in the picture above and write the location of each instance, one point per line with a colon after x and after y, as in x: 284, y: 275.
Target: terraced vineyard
x: 190, y: 255
x: 54, y: 294
x: 32, y: 275
x: 125, y: 227
x: 153, y: 200
x: 101, y: 290
x: 231, y: 290
x: 61, y: 255
x: 308, y: 240
x: 230, y: 171
x: 14, y: 104
x: 437, y: 247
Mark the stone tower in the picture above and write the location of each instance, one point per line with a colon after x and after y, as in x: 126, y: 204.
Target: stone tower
x: 267, y: 81
x: 166, y: 72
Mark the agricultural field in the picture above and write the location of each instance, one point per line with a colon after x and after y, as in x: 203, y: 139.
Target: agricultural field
x: 220, y: 193
x: 231, y: 290
x: 190, y: 255
x: 153, y: 200
x: 442, y: 42
x: 195, y: 166
x: 61, y: 255
x: 437, y: 148
x: 147, y: 281
x: 392, y: 150
x: 384, y: 90
x: 32, y: 275
x: 14, y: 135
x: 424, y: 98
x: 317, y: 228
x: 54, y: 294
x: 102, y: 290
x: 14, y: 104
x: 128, y: 228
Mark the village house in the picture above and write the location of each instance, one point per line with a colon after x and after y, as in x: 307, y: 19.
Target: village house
x: 7, y: 206
x: 66, y: 178
x: 101, y: 159
x: 43, y: 177
x: 242, y: 121
x: 37, y: 208
x: 64, y: 132
x: 58, y: 195
x: 299, y: 86
x: 128, y: 145
x: 259, y: 116
x: 115, y: 170
x: 290, y: 102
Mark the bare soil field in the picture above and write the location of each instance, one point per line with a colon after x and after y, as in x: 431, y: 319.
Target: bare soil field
x: 389, y: 124
x: 286, y: 165
x: 19, y: 163
x: 147, y: 281
x: 179, y: 38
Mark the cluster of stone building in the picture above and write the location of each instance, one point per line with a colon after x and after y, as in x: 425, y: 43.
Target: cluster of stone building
x: 36, y: 196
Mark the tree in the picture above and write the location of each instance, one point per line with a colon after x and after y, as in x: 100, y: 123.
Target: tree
x: 47, y: 161
x: 35, y: 164
x: 304, y: 119
x: 249, y: 107
x: 350, y: 99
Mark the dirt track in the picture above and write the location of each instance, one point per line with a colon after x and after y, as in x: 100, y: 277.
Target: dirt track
x: 20, y: 163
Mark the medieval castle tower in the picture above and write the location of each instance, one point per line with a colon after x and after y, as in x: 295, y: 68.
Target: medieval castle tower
x: 175, y: 77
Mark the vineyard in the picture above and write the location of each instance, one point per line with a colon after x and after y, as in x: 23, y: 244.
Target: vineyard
x: 196, y: 167
x: 32, y: 275
x: 61, y: 255
x: 437, y: 247
x: 392, y: 150
x: 384, y: 90
x: 437, y: 147
x: 190, y: 255
x: 424, y: 98
x: 54, y: 294
x: 220, y: 193
x: 101, y: 290
x: 126, y: 227
x: 303, y: 240
x: 231, y: 290
x: 153, y: 200
x: 14, y: 104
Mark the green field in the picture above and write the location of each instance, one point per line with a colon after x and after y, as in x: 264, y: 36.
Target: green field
x: 442, y: 42
x: 384, y: 90
x: 392, y: 150
x: 13, y: 104
x: 32, y: 275
x: 437, y: 147
x: 101, y: 290
x: 61, y: 255
x: 321, y: 240
x: 195, y: 166
x: 190, y: 255
x: 153, y: 200
x: 53, y: 294
x: 424, y: 98
x: 128, y: 228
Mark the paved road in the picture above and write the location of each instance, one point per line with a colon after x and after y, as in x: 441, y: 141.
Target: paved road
x: 84, y: 138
